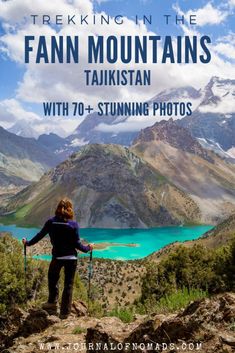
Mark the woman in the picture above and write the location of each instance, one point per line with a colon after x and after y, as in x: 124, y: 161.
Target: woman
x: 64, y: 236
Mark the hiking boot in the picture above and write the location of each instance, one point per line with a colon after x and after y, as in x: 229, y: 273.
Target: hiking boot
x: 51, y: 308
x: 64, y: 316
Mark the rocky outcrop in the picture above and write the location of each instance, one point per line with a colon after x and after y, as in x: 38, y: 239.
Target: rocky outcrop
x: 79, y: 308
x: 37, y: 320
x: 206, y: 323
x: 19, y: 323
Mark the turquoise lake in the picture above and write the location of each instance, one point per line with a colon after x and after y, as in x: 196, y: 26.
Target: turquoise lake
x: 148, y: 240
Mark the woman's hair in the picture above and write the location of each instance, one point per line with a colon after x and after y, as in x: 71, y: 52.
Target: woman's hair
x: 64, y: 210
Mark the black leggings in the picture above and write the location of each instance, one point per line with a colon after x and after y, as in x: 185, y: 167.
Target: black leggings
x: 53, y: 278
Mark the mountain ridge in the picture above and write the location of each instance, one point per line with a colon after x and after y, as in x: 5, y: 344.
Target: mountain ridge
x: 111, y: 187
x: 23, y: 159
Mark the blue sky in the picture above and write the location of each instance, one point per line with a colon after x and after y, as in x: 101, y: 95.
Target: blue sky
x: 23, y: 86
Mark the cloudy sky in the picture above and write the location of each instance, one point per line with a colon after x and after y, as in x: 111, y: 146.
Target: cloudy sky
x: 23, y: 88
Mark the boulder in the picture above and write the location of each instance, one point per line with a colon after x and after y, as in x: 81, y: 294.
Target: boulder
x: 79, y: 308
x: 108, y: 335
x: 36, y: 321
x: 9, y: 325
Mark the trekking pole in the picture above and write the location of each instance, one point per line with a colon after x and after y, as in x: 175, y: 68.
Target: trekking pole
x: 90, y: 269
x: 25, y: 266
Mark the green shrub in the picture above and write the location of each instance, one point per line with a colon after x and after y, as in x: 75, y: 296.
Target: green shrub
x: 197, y: 270
x: 15, y: 288
x: 172, y: 302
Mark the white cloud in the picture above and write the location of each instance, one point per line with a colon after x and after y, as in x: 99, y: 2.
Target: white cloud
x: 226, y: 46
x: 57, y: 82
x: 207, y: 15
x: 101, y: 1
x: 232, y: 3
x: 131, y: 124
x: 12, y: 111
x: 19, y: 11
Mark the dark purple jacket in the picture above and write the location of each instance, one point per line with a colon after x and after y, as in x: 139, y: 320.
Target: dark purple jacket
x: 64, y: 236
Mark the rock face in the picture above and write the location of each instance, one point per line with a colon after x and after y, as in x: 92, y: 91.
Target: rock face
x: 205, y: 323
x: 110, y: 187
x: 174, y: 135
x: 207, y: 178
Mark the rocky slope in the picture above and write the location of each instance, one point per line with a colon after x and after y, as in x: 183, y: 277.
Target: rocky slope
x: 206, y: 325
x: 221, y: 234
x: 207, y: 178
x: 110, y: 187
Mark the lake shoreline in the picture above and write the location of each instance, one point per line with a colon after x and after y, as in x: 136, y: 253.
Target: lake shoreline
x: 117, y: 244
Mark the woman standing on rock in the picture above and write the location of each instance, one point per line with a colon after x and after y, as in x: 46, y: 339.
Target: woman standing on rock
x: 64, y: 236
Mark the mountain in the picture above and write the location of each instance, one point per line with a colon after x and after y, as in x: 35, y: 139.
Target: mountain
x: 54, y: 142
x: 176, y: 154
x: 215, y: 131
x: 91, y: 131
x: 110, y: 187
x: 61, y: 147
x: 212, y: 119
x: 213, y: 122
x: 181, y: 94
x: 218, y: 96
x: 23, y: 128
x: 34, y: 128
x: 22, y: 160
x: 105, y: 129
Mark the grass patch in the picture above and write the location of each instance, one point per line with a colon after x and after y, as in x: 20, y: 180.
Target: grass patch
x: 125, y: 315
x: 179, y: 299
x: 78, y: 330
x: 232, y: 326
